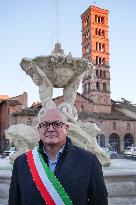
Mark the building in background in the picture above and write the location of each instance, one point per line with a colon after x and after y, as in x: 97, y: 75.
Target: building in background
x: 8, y: 106
x: 117, y: 120
x: 95, y: 48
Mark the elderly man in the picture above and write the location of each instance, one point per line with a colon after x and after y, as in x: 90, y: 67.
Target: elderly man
x: 57, y: 172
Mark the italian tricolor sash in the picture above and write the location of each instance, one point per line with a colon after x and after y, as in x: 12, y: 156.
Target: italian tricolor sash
x: 48, y: 185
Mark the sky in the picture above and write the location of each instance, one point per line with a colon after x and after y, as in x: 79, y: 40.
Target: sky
x: 28, y: 29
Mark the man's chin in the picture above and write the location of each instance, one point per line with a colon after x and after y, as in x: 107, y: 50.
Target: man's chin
x: 51, y: 141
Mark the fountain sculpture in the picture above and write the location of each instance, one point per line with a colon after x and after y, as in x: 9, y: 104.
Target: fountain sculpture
x: 60, y: 71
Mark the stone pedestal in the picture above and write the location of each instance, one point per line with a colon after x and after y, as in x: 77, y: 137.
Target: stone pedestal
x: 121, y: 186
x: 5, y: 176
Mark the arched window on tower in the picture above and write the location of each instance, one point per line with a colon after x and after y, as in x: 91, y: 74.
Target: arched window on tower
x: 100, y: 46
x: 104, y: 86
x: 97, y: 73
x: 99, y: 19
x: 96, y: 31
x: 104, y: 74
x: 100, y: 73
x: 103, y: 61
x: 97, y: 60
x: 103, y: 48
x: 99, y: 32
x: 96, y: 46
x: 97, y: 86
x: 87, y: 34
x: 102, y: 20
x: 87, y: 19
x: 84, y: 23
x: 87, y: 48
x: 96, y: 18
x: 100, y: 60
x: 103, y: 33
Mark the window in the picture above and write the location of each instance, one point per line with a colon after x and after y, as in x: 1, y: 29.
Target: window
x: 29, y: 121
x: 96, y: 18
x: 97, y: 86
x: 114, y: 125
x: 96, y: 31
x: 97, y: 74
x: 87, y: 34
x: 100, y: 46
x: 102, y: 20
x: 97, y: 60
x: 104, y: 86
x: 103, y: 61
x: 84, y: 23
x: 128, y: 126
x: 103, y: 48
x: 103, y: 33
x: 104, y: 74
x: 99, y: 19
x: 100, y: 73
x: 96, y: 46
x: 82, y: 108
x: 86, y: 48
x: 99, y: 32
x: 100, y: 60
x: 87, y: 19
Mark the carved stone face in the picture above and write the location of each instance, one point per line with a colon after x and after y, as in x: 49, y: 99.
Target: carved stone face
x: 36, y: 79
x: 63, y: 76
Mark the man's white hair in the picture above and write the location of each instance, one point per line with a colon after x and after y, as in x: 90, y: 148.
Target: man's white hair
x: 65, y: 118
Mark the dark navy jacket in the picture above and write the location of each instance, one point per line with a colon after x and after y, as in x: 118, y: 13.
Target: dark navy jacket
x: 78, y: 171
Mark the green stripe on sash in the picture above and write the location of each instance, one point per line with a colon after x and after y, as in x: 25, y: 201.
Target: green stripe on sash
x: 59, y: 188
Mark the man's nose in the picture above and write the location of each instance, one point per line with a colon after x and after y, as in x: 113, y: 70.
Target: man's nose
x: 50, y: 128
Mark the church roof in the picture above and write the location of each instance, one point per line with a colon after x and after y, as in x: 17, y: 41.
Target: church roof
x: 106, y: 116
x: 28, y: 111
x: 13, y: 102
x: 125, y: 104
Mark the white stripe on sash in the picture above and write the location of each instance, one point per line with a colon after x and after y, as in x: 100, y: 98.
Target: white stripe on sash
x: 47, y: 183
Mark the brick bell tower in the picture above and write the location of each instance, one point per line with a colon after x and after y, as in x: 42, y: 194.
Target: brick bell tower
x: 95, y: 47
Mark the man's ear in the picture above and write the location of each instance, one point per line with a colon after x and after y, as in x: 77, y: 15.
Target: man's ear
x: 67, y: 127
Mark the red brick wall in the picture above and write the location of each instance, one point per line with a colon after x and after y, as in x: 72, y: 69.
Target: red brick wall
x: 22, y: 99
x: 4, y: 117
x: 81, y: 103
x: 25, y: 120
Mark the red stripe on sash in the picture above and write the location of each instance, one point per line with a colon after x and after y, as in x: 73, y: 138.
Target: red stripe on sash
x: 44, y: 192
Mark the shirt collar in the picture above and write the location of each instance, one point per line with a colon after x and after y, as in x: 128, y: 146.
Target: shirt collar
x: 57, y: 155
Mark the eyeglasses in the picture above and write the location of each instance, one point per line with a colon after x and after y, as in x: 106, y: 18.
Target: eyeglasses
x: 55, y: 124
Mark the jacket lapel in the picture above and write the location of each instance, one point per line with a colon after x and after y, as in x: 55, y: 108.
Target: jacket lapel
x: 66, y: 163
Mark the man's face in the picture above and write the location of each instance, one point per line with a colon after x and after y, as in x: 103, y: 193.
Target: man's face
x: 53, y: 134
